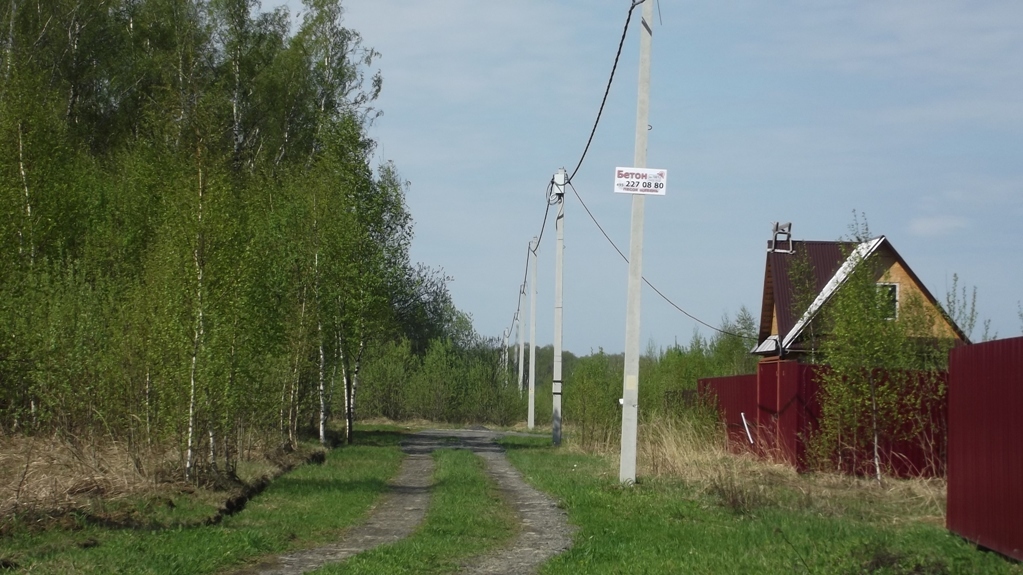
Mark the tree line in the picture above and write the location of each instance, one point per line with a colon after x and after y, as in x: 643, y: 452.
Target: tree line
x: 195, y: 248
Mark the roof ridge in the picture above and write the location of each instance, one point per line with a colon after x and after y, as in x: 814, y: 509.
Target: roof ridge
x: 862, y: 251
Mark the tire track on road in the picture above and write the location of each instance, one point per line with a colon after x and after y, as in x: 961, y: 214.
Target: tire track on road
x: 543, y: 533
x: 393, y: 519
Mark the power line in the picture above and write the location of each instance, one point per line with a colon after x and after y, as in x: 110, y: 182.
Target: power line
x: 607, y: 90
x: 543, y: 225
x: 551, y: 200
x: 550, y: 196
x: 646, y: 281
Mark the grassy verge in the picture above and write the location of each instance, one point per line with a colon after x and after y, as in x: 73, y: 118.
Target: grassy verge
x: 310, y: 505
x: 735, y: 523
x: 465, y: 517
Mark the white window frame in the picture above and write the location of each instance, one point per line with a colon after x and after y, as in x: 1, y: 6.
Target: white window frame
x: 897, y: 290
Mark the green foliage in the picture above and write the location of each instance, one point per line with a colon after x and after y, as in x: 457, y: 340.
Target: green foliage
x: 591, y: 399
x: 880, y: 385
x: 960, y: 308
x: 668, y: 379
x: 449, y: 383
x: 462, y: 379
x: 194, y: 248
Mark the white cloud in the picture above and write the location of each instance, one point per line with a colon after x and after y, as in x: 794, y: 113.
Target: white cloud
x: 942, y: 225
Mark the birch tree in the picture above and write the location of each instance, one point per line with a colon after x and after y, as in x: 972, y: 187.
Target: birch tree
x: 870, y: 356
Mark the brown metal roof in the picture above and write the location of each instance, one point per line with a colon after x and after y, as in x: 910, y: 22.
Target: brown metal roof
x: 824, y: 257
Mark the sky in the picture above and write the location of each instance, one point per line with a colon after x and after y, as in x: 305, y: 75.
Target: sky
x: 910, y: 113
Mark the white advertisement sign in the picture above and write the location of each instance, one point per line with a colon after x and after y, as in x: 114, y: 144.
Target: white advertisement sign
x: 645, y: 181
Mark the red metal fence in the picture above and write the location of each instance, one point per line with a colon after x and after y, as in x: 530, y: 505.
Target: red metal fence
x: 741, y: 413
x: 778, y: 409
x: 985, y: 445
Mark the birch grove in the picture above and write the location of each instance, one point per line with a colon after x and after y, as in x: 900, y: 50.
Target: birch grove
x: 195, y: 248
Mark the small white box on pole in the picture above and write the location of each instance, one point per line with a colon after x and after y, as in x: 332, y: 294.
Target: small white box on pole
x: 644, y: 181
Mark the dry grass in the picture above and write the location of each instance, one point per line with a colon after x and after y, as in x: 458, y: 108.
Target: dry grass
x: 46, y: 480
x: 52, y: 473
x: 699, y: 455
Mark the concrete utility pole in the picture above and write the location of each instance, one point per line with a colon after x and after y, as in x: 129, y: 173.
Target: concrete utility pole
x: 504, y: 356
x: 559, y: 192
x: 532, y: 332
x: 521, y: 382
x: 630, y: 396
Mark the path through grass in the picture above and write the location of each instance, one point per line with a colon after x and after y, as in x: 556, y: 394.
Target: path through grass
x: 466, y: 517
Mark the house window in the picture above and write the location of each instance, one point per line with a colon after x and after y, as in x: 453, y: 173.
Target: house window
x: 889, y: 296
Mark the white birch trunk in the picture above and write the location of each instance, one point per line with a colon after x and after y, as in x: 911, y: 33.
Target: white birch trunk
x: 191, y: 408
x: 346, y: 378
x: 235, y: 109
x: 322, y: 386
x: 284, y: 398
x: 74, y: 32
x: 322, y: 366
x: 355, y: 376
x: 149, y: 410
x: 9, y: 47
x: 293, y: 410
x: 213, y: 450
x: 198, y: 258
x: 25, y: 234
x: 873, y: 417
x: 293, y: 400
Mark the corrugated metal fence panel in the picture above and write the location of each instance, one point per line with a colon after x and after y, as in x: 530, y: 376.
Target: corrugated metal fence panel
x: 788, y: 410
x: 921, y: 450
x: 735, y: 395
x: 985, y: 452
x: 778, y: 419
x: 782, y: 409
x: 808, y: 412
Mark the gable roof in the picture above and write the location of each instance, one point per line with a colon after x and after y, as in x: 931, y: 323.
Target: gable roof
x: 831, y: 268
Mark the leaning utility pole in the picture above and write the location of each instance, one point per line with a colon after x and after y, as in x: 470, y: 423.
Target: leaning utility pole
x: 630, y: 396
x: 559, y: 192
x: 533, y: 245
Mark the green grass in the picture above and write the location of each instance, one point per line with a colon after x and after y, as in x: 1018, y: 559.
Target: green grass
x: 465, y: 517
x: 666, y: 526
x: 310, y: 505
x: 731, y: 524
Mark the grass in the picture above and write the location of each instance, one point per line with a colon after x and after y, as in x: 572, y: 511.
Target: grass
x: 696, y: 509
x: 735, y: 515
x: 307, y: 506
x: 311, y: 505
x: 465, y: 517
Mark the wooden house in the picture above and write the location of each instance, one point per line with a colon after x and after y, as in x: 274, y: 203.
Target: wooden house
x: 785, y: 325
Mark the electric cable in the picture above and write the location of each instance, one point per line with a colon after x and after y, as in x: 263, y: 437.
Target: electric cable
x: 551, y: 200
x: 607, y: 90
x: 546, y: 212
x: 646, y: 281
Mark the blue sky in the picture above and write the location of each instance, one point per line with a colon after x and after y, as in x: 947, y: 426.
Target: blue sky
x: 910, y: 112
